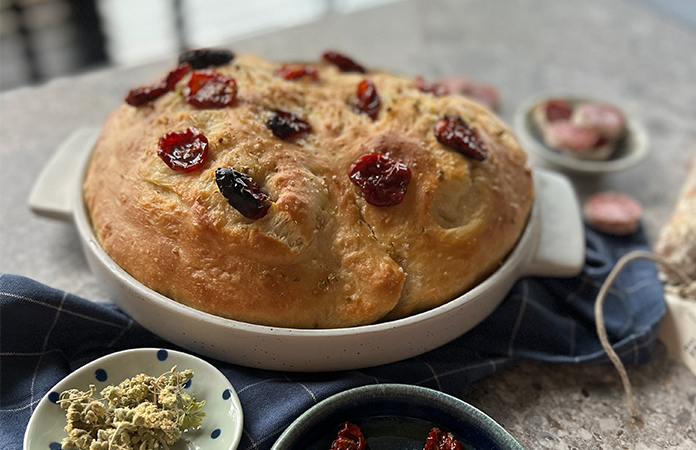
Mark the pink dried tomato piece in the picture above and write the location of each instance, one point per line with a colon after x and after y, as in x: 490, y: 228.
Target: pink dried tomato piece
x: 292, y: 72
x: 183, y: 151
x: 558, y: 109
x: 206, y: 57
x: 437, y: 89
x: 146, y: 94
x: 368, y: 100
x: 453, y: 132
x: 383, y: 181
x: 349, y: 437
x: 438, y: 440
x: 286, y: 125
x: 486, y: 94
x: 210, y: 89
x: 344, y: 63
x: 242, y: 192
x: 456, y: 84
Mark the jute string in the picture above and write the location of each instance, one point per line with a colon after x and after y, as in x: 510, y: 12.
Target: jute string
x: 599, y: 317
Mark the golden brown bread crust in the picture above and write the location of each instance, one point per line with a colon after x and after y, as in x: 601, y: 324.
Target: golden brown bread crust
x: 322, y: 257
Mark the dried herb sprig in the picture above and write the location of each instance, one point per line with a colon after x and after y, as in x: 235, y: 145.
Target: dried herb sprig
x: 142, y: 412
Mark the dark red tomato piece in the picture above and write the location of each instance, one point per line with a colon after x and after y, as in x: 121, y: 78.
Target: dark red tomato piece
x: 383, y: 180
x: 146, y: 94
x: 602, y: 141
x: 344, y: 63
x: 183, y: 151
x: 242, y: 193
x: 176, y: 75
x: 368, y: 100
x: 286, y: 125
x: 558, y: 109
x: 142, y: 95
x: 210, y: 89
x: 292, y: 72
x: 206, y: 57
x: 455, y: 134
x: 437, y: 440
x: 349, y: 437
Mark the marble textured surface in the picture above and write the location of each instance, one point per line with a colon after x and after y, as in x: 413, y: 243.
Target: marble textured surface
x: 613, y: 49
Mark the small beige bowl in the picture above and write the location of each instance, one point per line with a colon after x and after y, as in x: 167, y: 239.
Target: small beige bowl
x: 631, y: 149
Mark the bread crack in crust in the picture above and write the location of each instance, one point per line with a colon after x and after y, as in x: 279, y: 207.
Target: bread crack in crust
x: 322, y: 255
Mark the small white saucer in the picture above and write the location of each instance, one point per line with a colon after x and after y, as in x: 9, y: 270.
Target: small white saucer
x: 222, y: 425
x: 631, y: 149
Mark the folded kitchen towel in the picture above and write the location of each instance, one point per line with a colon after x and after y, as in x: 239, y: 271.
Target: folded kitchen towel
x: 45, y: 334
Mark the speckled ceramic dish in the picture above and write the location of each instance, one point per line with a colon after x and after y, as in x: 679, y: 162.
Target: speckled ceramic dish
x: 631, y: 149
x: 552, y: 244
x: 395, y: 417
x: 221, y: 427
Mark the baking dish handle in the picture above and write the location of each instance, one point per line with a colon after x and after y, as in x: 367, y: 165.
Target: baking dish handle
x: 561, y: 249
x: 53, y: 193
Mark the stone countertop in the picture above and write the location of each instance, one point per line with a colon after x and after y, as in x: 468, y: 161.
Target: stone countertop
x: 617, y: 50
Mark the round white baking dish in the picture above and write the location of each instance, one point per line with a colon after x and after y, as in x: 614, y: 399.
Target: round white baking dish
x: 551, y: 245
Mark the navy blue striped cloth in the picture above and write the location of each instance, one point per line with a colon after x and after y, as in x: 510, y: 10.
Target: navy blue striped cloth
x: 45, y: 334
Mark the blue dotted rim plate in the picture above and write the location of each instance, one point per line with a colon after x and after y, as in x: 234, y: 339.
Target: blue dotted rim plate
x: 395, y: 417
x: 221, y: 428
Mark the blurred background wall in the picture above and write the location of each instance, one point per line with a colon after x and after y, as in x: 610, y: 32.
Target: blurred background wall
x: 44, y: 39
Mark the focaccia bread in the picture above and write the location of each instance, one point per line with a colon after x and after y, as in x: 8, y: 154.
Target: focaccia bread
x: 320, y: 254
